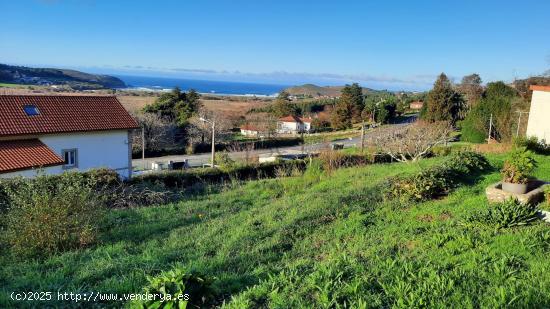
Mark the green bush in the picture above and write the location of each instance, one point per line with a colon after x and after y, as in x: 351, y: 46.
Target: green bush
x: 518, y: 165
x: 224, y: 161
x: 51, y: 214
x: 473, y: 129
x: 177, y: 289
x: 437, y: 180
x: 506, y: 214
x: 532, y: 143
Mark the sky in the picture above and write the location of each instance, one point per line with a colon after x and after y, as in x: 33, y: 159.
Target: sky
x: 380, y: 44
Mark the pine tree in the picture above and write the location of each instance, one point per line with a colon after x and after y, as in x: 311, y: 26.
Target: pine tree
x: 443, y: 103
x: 342, y: 113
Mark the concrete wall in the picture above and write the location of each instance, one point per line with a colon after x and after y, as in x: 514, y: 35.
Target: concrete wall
x: 539, y: 116
x: 110, y: 149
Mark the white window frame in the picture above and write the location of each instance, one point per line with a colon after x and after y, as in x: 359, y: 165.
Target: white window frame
x: 70, y: 165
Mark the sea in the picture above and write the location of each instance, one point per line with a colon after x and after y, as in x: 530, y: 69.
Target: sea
x: 201, y: 86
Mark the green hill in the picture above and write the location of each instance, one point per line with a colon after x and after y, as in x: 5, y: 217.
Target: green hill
x: 51, y: 76
x: 312, y: 241
x: 312, y: 90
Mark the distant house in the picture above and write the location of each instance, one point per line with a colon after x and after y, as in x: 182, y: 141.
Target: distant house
x: 416, y: 105
x: 250, y: 130
x: 59, y: 133
x: 294, y: 125
x: 539, y: 116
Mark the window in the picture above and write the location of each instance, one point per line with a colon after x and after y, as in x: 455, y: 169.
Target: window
x: 70, y: 158
x: 31, y: 110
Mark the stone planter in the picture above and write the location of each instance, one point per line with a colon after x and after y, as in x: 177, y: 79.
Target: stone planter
x: 516, y: 188
x: 534, y: 194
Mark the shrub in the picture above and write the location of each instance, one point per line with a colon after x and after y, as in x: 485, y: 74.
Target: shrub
x: 506, y: 214
x: 50, y: 214
x: 224, y: 161
x: 176, y: 289
x: 532, y: 143
x: 517, y: 167
x: 437, y: 180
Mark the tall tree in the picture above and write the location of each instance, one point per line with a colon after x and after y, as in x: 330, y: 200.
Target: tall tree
x: 282, y: 106
x: 176, y: 106
x: 443, y: 103
x: 349, y: 107
x: 355, y: 93
x: 471, y: 89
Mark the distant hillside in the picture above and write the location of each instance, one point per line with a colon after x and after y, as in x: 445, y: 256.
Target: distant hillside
x: 319, y: 91
x: 50, y: 76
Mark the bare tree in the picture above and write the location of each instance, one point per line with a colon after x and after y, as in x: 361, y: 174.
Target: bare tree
x: 411, y: 142
x: 158, y: 132
x: 199, y: 132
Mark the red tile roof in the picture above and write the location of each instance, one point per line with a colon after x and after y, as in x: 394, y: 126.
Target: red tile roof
x: 540, y: 88
x: 62, y: 114
x: 292, y: 118
x: 25, y: 154
x: 249, y: 127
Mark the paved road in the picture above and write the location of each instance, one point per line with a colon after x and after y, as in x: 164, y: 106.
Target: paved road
x: 204, y: 158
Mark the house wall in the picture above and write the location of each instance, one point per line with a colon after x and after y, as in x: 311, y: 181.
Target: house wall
x: 33, y: 172
x: 288, y: 127
x: 109, y: 149
x: 539, y: 116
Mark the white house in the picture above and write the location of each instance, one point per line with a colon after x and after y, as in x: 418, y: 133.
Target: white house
x: 250, y: 130
x: 59, y: 133
x: 293, y: 125
x: 539, y: 116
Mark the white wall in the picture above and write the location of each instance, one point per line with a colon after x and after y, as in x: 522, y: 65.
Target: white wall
x: 110, y: 149
x: 539, y: 116
x: 33, y: 172
x: 288, y: 127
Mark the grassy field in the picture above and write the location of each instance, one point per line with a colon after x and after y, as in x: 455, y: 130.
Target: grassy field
x: 315, y: 240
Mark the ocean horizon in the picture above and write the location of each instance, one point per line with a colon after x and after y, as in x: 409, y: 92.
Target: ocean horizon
x: 201, y: 86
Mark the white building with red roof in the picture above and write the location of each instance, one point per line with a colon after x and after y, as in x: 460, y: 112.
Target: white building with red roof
x: 53, y: 134
x: 294, y: 125
x: 250, y: 130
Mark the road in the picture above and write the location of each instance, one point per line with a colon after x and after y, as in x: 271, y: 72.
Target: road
x: 204, y: 158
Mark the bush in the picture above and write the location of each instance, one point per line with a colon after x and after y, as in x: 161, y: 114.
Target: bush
x: 176, y: 289
x: 517, y: 167
x: 437, y: 180
x: 51, y: 214
x: 504, y: 215
x: 473, y: 129
x: 224, y: 161
x: 532, y: 143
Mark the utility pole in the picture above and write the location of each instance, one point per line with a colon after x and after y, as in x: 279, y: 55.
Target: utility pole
x: 143, y: 148
x: 213, y: 123
x: 519, y: 121
x: 490, y: 128
x: 362, y: 135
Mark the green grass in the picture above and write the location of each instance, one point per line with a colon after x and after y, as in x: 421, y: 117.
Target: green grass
x: 312, y: 241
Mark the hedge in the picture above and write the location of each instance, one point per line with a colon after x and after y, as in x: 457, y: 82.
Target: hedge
x: 186, y: 178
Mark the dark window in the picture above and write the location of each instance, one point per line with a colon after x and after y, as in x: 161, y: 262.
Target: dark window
x: 31, y: 110
x: 70, y: 158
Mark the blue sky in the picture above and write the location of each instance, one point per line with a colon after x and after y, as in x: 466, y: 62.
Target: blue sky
x: 382, y: 44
